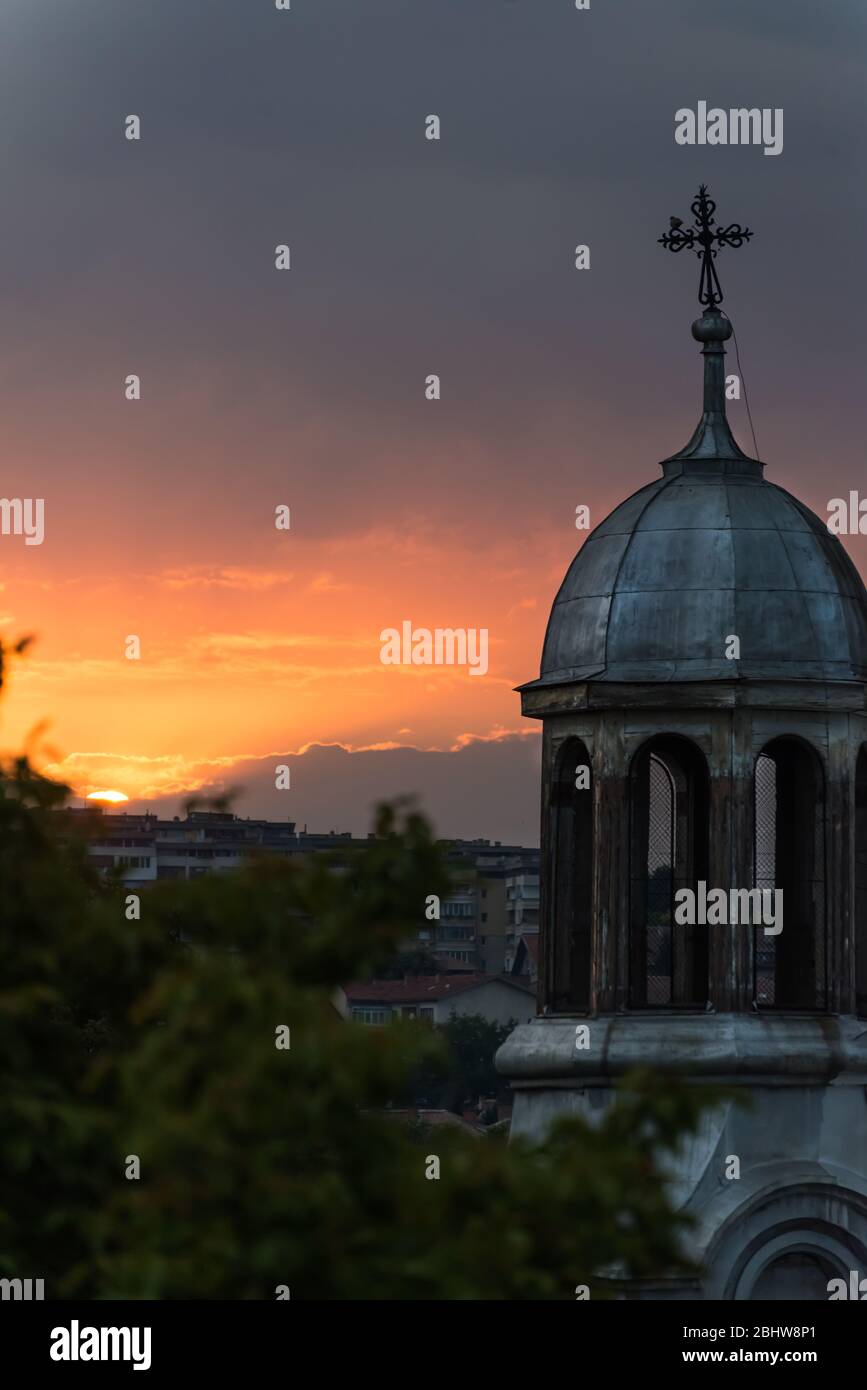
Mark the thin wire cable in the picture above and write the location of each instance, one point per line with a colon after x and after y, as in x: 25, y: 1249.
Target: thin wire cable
x: 744, y: 380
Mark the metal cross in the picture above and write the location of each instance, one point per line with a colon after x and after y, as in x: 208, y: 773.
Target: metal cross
x: 705, y: 241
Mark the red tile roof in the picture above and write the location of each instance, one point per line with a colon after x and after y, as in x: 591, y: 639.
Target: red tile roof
x: 422, y: 989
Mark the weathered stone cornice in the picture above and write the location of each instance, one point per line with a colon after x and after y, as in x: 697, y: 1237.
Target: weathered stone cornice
x: 742, y: 1049
x: 539, y: 700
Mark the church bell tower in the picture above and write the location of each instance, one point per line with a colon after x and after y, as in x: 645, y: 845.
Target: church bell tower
x: 703, y: 698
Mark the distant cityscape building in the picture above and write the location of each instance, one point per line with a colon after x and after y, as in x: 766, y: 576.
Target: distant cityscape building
x: 526, y: 962
x: 495, y: 901
x: 434, y: 998
x: 522, y: 909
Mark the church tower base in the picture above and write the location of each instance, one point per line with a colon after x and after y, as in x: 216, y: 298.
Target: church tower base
x: 796, y: 1215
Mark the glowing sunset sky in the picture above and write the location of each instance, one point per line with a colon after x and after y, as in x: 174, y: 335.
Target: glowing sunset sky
x: 307, y: 388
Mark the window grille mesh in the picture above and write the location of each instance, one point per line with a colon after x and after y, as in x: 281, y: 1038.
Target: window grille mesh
x: 766, y: 873
x: 660, y: 863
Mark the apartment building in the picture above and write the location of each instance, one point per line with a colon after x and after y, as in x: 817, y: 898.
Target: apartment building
x: 495, y: 898
x: 522, y: 909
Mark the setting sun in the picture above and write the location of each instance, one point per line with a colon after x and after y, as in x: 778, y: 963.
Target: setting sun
x: 107, y: 796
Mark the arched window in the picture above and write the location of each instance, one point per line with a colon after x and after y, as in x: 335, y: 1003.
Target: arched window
x: 668, y: 851
x: 572, y: 878
x: 789, y: 965
x: 861, y: 884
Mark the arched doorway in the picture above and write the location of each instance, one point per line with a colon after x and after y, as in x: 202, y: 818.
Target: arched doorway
x: 798, y: 1275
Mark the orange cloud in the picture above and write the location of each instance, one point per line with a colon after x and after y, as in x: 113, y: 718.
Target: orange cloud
x: 251, y: 655
x: 207, y: 577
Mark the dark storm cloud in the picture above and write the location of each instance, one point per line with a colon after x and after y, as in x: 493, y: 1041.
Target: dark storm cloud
x: 489, y: 788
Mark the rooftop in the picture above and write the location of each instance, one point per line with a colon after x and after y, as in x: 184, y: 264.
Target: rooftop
x: 423, y: 989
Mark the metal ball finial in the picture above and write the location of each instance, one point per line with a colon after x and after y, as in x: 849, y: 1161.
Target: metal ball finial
x: 712, y: 327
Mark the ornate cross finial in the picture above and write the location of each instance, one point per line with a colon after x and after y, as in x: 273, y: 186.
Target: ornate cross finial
x: 705, y: 241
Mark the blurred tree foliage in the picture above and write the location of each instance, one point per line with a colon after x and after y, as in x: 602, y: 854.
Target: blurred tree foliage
x: 263, y: 1166
x: 470, y: 1042
x: 413, y: 963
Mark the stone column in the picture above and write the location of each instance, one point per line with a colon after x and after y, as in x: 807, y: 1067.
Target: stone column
x: 722, y: 953
x: 738, y: 984
x: 611, y: 872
